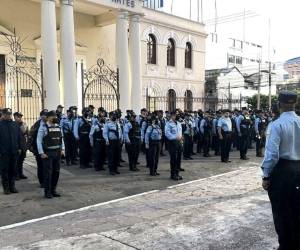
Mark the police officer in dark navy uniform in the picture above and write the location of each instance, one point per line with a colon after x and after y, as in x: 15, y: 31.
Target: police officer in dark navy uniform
x: 50, y: 147
x: 10, y: 148
x: 260, y: 131
x: 98, y: 143
x: 281, y: 172
x: 243, y: 125
x: 132, y: 138
x: 82, y: 131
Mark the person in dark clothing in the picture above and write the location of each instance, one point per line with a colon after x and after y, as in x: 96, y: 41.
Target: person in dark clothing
x: 10, y: 148
x: 50, y: 147
x: 32, y: 146
x: 24, y: 134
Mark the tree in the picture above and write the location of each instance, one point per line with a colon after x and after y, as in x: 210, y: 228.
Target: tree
x: 264, y: 101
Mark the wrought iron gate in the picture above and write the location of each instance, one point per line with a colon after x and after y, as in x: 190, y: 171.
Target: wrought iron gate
x: 100, y: 86
x: 22, y: 89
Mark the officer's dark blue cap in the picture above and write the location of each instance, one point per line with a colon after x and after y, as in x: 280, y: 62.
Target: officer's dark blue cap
x: 6, y: 111
x: 287, y: 97
x: 18, y: 114
x: 51, y: 113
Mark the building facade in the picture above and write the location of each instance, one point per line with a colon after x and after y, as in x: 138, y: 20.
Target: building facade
x: 107, y: 53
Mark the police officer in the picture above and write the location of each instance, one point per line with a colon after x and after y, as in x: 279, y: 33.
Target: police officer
x: 199, y: 134
x: 98, y: 143
x: 112, y: 134
x: 67, y: 125
x: 173, y: 132
x: 50, y: 147
x: 243, y: 126
x: 187, y: 130
x: 153, y: 143
x: 32, y: 145
x: 281, y: 172
x: 215, y: 136
x: 59, y: 112
x: 132, y: 138
x: 24, y: 134
x: 206, y: 131
x: 224, y: 128
x: 10, y: 147
x: 146, y: 122
x: 82, y: 129
x: 260, y: 130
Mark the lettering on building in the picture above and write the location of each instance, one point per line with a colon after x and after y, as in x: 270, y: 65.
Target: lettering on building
x: 128, y: 3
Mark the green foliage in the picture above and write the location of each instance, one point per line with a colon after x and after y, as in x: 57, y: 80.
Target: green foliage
x: 264, y: 101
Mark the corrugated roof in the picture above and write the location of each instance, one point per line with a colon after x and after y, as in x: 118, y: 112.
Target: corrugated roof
x: 293, y: 60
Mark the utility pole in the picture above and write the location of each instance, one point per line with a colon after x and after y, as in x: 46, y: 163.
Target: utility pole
x: 270, y: 85
x: 259, y: 83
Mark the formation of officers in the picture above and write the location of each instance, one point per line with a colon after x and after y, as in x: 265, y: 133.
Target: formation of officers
x: 98, y: 139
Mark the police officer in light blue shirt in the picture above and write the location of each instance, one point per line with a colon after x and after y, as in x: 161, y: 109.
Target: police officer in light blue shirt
x: 112, y: 134
x: 225, y: 135
x: 173, y: 132
x: 153, y: 143
x: 281, y: 172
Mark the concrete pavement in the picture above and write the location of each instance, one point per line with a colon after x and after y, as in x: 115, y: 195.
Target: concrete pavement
x: 227, y: 211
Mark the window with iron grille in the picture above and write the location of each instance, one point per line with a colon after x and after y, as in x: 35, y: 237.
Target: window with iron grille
x: 26, y: 93
x: 188, y: 56
x: 151, y: 49
x: 171, y: 53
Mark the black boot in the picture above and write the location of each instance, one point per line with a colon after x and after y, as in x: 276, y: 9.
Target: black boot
x: 5, y: 188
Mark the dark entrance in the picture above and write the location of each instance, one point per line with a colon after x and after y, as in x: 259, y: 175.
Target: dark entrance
x: 171, y: 100
x: 188, y: 100
x: 100, y: 87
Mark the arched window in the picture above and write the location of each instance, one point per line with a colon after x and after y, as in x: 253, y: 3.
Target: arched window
x: 171, y: 100
x: 171, y: 53
x: 188, y: 55
x: 151, y: 49
x: 188, y: 100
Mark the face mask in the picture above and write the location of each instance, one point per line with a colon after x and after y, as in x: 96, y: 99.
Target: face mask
x: 85, y: 115
x: 114, y: 118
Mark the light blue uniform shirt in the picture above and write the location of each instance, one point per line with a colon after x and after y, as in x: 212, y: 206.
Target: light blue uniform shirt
x: 283, y: 142
x: 108, y: 131
x: 225, y: 124
x: 238, y: 123
x: 66, y: 125
x: 154, y: 133
x: 143, y: 129
x: 257, y: 122
x: 95, y: 128
x: 42, y: 132
x: 215, y: 124
x: 189, y: 127
x: 173, y: 130
x: 202, y: 124
x: 198, y: 123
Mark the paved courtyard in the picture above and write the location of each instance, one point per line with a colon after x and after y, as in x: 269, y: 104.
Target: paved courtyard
x: 217, y: 206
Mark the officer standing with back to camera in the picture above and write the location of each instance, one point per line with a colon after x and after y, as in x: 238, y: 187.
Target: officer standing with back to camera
x: 82, y: 129
x: 50, y: 147
x: 173, y: 132
x: 10, y: 148
x: 97, y: 141
x: 224, y: 128
x: 260, y: 131
x: 112, y: 134
x: 24, y: 135
x: 281, y: 172
x: 132, y: 138
x: 243, y: 126
x: 153, y: 143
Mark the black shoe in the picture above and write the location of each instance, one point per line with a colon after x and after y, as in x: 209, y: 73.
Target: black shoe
x: 162, y: 154
x: 181, y: 169
x: 97, y: 169
x: 48, y: 196
x: 13, y: 190
x: 228, y: 161
x: 112, y: 173
x: 190, y: 158
x: 193, y: 153
x: 6, y: 191
x: 174, y: 178
x: 157, y: 174
x: 55, y: 194
x: 23, y: 177
x: 245, y: 158
x: 152, y: 174
x: 83, y: 167
x: 121, y: 160
x: 179, y: 178
x: 117, y: 172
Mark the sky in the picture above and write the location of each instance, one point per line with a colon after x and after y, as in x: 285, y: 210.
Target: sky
x: 283, y: 16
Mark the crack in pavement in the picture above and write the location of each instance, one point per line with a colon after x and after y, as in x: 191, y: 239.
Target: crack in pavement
x: 123, y: 243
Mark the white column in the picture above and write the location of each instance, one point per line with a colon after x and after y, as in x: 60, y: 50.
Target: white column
x: 135, y: 63
x: 49, y: 53
x: 67, y: 53
x: 122, y: 57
